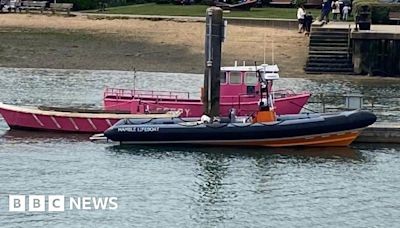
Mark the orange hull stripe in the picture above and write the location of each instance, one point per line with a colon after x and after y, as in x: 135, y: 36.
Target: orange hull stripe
x: 343, y: 139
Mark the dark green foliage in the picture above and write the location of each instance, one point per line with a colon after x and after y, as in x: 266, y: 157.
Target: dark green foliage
x: 298, y: 3
x: 379, y: 11
x: 380, y: 14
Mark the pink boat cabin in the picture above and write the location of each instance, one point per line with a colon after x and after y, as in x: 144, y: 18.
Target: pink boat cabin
x: 239, y: 89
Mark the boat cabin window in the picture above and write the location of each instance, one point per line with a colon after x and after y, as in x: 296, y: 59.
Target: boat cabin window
x: 250, y: 78
x: 235, y: 78
x: 223, y: 77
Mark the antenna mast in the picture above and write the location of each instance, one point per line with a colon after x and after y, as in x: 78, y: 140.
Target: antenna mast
x: 273, y: 54
x: 265, y: 46
x: 134, y: 79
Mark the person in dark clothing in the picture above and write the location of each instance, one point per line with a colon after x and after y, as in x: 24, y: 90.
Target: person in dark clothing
x: 308, y: 19
x: 48, y: 3
x: 232, y: 115
x: 326, y: 9
x: 4, y: 3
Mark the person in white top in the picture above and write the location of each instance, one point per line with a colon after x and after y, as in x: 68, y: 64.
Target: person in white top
x: 335, y: 9
x: 300, y: 17
x: 346, y: 10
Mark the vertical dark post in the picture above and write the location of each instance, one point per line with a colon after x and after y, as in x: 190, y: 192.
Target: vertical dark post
x: 213, y: 40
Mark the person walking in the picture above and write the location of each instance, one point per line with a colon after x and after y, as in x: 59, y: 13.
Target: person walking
x: 300, y: 17
x: 326, y: 9
x: 335, y: 10
x: 308, y: 19
x: 341, y: 5
x: 346, y: 11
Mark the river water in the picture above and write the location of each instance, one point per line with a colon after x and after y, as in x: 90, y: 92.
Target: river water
x: 188, y: 186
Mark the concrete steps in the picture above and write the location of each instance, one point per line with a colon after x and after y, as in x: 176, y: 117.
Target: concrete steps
x: 329, y: 51
x: 329, y: 39
x: 324, y: 60
x: 324, y: 29
x: 331, y: 44
x: 336, y: 65
x: 327, y: 36
x: 320, y: 70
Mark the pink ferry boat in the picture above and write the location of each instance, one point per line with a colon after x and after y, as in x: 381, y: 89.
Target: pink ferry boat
x: 67, y: 120
x: 239, y: 89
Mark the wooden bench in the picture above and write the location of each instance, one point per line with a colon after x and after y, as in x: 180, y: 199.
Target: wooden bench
x: 394, y: 17
x: 246, y: 6
x: 280, y: 3
x: 33, y: 5
x: 313, y: 3
x: 61, y: 7
x: 11, y: 5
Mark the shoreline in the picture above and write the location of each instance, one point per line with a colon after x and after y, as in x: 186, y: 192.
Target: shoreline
x: 317, y: 77
x: 57, y: 42
x: 161, y: 46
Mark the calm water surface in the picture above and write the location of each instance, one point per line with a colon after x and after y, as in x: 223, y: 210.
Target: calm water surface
x: 189, y: 187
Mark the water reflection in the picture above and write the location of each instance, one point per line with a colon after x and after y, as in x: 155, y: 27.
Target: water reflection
x: 17, y: 136
x: 224, y: 176
x: 243, y: 152
x: 214, y: 152
x: 212, y: 190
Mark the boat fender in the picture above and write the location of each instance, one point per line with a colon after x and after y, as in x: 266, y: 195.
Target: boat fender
x: 205, y: 119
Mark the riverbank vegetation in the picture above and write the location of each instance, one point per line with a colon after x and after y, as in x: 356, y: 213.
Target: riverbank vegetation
x: 379, y: 9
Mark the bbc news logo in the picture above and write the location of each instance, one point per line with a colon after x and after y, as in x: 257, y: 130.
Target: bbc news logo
x: 20, y: 203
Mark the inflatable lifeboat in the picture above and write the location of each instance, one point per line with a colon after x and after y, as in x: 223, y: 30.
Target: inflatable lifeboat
x: 263, y: 128
x: 335, y: 129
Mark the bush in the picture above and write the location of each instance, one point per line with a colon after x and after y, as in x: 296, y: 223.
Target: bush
x: 298, y: 3
x: 379, y: 11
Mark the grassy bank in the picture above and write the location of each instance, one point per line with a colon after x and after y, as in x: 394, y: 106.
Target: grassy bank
x: 199, y: 11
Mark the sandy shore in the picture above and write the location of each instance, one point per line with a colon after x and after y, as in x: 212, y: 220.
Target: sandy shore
x: 168, y: 46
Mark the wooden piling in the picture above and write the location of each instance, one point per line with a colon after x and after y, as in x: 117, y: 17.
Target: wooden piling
x: 213, y: 40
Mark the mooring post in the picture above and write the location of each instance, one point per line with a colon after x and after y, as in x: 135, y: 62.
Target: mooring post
x: 213, y: 40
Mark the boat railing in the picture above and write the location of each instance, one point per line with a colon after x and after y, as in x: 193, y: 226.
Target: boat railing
x: 153, y: 94
x: 281, y: 93
x: 237, y: 100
